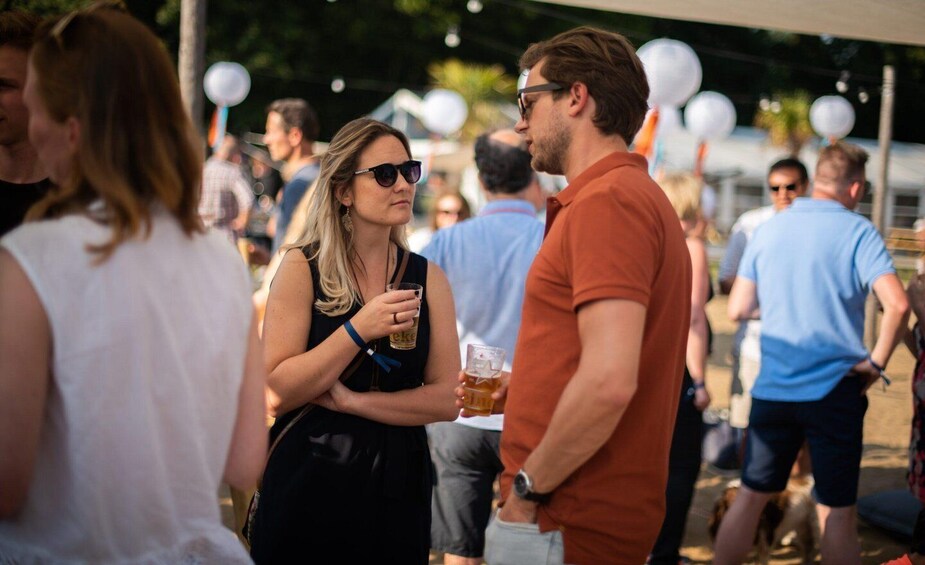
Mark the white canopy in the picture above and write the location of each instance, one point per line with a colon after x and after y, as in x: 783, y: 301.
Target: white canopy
x: 887, y: 21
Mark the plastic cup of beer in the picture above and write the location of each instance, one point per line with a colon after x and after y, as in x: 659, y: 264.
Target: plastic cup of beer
x: 483, y: 377
x: 407, y: 339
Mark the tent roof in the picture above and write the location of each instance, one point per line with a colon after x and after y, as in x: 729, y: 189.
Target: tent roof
x: 887, y: 21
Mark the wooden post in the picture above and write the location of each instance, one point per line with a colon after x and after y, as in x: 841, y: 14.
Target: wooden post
x: 191, y: 59
x: 881, y: 189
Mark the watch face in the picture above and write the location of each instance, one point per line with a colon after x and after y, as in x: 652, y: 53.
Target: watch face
x: 520, y: 484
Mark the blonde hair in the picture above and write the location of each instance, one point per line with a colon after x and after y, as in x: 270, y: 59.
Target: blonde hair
x: 330, y: 244
x: 683, y: 191
x: 138, y: 149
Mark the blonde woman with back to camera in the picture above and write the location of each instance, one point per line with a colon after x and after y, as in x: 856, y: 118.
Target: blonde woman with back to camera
x: 350, y: 480
x: 684, y: 192
x: 131, y: 381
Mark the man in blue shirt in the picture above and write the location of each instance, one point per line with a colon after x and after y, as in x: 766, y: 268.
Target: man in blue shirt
x: 291, y: 131
x: 486, y: 260
x: 815, y: 369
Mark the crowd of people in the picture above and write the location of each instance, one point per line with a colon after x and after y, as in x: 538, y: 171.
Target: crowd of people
x: 137, y: 370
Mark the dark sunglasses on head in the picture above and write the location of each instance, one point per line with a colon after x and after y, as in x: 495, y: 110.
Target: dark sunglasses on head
x: 522, y: 101
x: 386, y: 174
x: 791, y: 186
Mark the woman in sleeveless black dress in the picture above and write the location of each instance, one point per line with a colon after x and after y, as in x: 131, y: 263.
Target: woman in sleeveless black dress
x: 350, y: 482
x: 683, y: 191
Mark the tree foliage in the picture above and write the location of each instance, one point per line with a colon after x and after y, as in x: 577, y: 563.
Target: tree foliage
x: 787, y: 121
x: 483, y: 87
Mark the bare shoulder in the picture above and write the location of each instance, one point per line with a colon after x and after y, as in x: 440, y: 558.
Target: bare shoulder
x: 696, y: 245
x: 436, y: 277
x: 294, y: 276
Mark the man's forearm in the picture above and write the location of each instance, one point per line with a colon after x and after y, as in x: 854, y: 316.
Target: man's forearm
x: 582, y: 422
x: 892, y: 328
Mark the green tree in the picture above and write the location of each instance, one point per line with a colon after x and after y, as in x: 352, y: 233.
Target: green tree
x: 483, y: 87
x: 788, y: 124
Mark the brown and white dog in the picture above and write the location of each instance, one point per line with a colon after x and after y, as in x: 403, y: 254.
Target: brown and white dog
x: 789, y: 518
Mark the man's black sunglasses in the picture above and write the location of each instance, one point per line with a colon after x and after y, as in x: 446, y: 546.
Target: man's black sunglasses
x: 791, y: 186
x: 522, y: 101
x: 386, y: 174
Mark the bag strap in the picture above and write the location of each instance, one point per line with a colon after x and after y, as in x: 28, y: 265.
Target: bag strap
x: 401, y: 267
x: 348, y: 372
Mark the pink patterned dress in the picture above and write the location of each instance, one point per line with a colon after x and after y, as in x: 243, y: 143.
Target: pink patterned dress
x: 916, y: 473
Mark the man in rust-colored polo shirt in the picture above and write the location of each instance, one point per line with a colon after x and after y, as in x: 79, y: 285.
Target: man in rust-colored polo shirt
x: 599, y: 359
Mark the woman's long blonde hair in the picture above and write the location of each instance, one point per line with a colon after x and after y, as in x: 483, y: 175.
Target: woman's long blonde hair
x: 683, y: 191
x: 138, y: 149
x: 330, y: 243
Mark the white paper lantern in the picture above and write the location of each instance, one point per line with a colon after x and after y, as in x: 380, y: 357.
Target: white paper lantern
x: 673, y: 70
x: 522, y: 79
x: 710, y: 116
x: 445, y: 111
x: 227, y: 84
x: 832, y: 116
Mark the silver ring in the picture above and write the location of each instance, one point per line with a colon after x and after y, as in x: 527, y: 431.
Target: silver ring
x: 395, y: 318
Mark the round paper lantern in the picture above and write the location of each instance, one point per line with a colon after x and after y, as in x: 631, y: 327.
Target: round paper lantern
x: 227, y: 84
x: 673, y: 70
x: 522, y: 79
x: 832, y: 116
x: 445, y: 111
x: 710, y: 116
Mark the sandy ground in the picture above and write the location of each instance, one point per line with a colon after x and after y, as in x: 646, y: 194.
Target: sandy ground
x: 886, y: 438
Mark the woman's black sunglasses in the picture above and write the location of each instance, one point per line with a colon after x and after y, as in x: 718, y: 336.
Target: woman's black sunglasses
x: 386, y: 174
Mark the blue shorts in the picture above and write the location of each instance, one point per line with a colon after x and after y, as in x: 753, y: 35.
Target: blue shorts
x: 834, y: 429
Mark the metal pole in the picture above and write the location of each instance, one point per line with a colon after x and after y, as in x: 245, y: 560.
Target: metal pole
x: 191, y: 60
x: 881, y: 188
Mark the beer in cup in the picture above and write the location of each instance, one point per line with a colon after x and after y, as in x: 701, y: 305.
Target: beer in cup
x: 406, y: 339
x: 483, y: 377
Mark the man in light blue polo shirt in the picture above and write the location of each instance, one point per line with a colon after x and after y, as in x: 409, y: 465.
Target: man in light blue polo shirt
x: 815, y: 370
x: 486, y: 260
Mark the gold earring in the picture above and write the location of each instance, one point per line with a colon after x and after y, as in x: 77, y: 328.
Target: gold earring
x: 347, y: 221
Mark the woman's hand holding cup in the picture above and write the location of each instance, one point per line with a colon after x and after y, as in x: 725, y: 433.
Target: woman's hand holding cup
x: 390, y: 312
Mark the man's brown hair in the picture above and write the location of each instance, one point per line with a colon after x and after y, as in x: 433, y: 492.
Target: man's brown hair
x: 297, y: 113
x: 17, y: 29
x: 607, y: 64
x: 841, y: 163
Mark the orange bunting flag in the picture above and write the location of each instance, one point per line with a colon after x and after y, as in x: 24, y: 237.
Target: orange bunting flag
x: 645, y: 141
x: 701, y: 157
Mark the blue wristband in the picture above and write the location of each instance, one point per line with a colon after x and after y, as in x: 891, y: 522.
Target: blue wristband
x: 874, y: 364
x: 886, y: 379
x: 352, y: 332
x: 383, y: 361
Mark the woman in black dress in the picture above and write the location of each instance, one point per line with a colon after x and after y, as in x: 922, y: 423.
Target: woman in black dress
x: 351, y: 480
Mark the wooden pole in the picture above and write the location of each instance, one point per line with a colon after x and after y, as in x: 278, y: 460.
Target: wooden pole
x: 191, y: 59
x: 881, y: 188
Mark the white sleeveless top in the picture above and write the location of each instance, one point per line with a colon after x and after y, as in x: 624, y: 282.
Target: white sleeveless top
x: 148, y: 358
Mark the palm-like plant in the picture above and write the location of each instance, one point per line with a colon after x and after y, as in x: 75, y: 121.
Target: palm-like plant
x: 482, y: 87
x: 787, y: 120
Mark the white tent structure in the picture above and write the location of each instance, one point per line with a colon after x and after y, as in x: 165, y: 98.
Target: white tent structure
x: 887, y: 21
x: 737, y: 167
